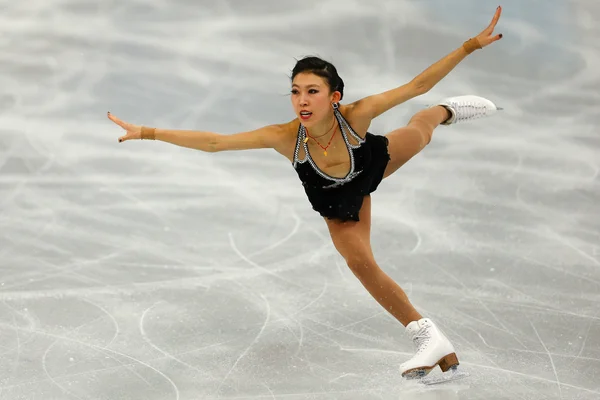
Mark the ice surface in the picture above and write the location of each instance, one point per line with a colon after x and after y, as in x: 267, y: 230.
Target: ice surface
x: 146, y: 271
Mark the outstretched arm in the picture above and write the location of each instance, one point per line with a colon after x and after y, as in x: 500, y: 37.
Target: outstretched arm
x: 265, y: 137
x: 375, y: 105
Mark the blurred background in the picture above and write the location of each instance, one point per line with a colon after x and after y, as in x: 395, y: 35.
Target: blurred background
x: 143, y: 270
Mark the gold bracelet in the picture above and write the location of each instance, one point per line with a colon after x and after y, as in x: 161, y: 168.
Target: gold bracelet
x: 471, y: 45
x: 148, y: 133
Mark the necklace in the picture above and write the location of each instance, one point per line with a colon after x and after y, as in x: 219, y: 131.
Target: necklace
x: 320, y: 145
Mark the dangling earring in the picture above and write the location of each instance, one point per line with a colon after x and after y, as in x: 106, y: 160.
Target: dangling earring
x: 335, y: 105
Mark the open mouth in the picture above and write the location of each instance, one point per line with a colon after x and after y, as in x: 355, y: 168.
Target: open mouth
x: 305, y: 115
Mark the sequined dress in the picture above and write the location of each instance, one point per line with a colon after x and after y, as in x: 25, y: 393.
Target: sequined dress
x: 342, y: 198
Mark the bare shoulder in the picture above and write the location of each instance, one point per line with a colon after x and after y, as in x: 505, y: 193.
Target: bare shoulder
x: 271, y: 136
x: 370, y: 107
x: 275, y: 135
x: 356, y: 116
x: 283, y: 137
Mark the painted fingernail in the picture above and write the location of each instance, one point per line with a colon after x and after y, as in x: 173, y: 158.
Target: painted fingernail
x: 500, y: 36
x: 120, y: 140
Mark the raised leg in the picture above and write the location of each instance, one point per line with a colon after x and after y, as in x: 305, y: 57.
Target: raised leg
x: 406, y: 142
x: 352, y: 240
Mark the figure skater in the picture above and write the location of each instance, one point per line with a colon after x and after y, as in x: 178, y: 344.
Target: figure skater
x: 340, y: 164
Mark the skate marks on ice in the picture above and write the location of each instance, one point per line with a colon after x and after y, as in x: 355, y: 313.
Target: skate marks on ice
x: 151, y: 272
x: 452, y: 375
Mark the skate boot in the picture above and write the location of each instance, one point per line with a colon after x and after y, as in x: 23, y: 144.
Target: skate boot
x: 467, y: 108
x: 433, y: 348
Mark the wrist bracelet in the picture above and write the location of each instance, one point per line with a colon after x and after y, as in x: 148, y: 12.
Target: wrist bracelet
x: 148, y: 133
x: 471, y: 45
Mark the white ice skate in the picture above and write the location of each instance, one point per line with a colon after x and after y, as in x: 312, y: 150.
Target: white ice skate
x: 433, y: 349
x: 467, y: 108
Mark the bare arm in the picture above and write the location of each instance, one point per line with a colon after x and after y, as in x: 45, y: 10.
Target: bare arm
x: 262, y: 138
x: 266, y: 137
x: 375, y: 105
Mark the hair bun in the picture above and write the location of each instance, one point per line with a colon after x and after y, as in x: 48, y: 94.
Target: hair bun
x: 322, y: 68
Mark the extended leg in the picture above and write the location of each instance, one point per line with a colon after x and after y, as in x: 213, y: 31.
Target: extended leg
x: 405, y: 143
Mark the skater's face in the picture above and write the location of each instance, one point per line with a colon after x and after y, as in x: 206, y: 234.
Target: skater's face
x: 312, y: 99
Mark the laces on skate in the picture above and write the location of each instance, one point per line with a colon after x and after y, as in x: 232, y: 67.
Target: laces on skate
x: 469, y: 111
x: 467, y: 108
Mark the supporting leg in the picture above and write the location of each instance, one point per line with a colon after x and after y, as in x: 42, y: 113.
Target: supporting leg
x: 352, y: 240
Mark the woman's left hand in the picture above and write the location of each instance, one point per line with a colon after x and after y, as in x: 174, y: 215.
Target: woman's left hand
x: 485, y: 38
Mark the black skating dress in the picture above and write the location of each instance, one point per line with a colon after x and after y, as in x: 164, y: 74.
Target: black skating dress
x: 342, y: 198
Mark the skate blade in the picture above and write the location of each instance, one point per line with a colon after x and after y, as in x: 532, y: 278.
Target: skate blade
x: 453, y: 374
x: 417, y: 374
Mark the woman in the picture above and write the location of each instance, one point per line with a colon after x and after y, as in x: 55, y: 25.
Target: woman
x: 340, y: 163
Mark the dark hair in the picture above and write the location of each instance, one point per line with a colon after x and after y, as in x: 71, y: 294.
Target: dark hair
x: 322, y: 68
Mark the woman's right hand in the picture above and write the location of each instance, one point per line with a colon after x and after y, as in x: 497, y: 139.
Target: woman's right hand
x: 131, y: 131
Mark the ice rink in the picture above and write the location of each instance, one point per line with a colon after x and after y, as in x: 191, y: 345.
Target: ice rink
x: 147, y: 271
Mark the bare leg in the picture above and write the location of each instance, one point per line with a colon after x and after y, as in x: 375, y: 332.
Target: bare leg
x: 352, y: 240
x: 405, y: 143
